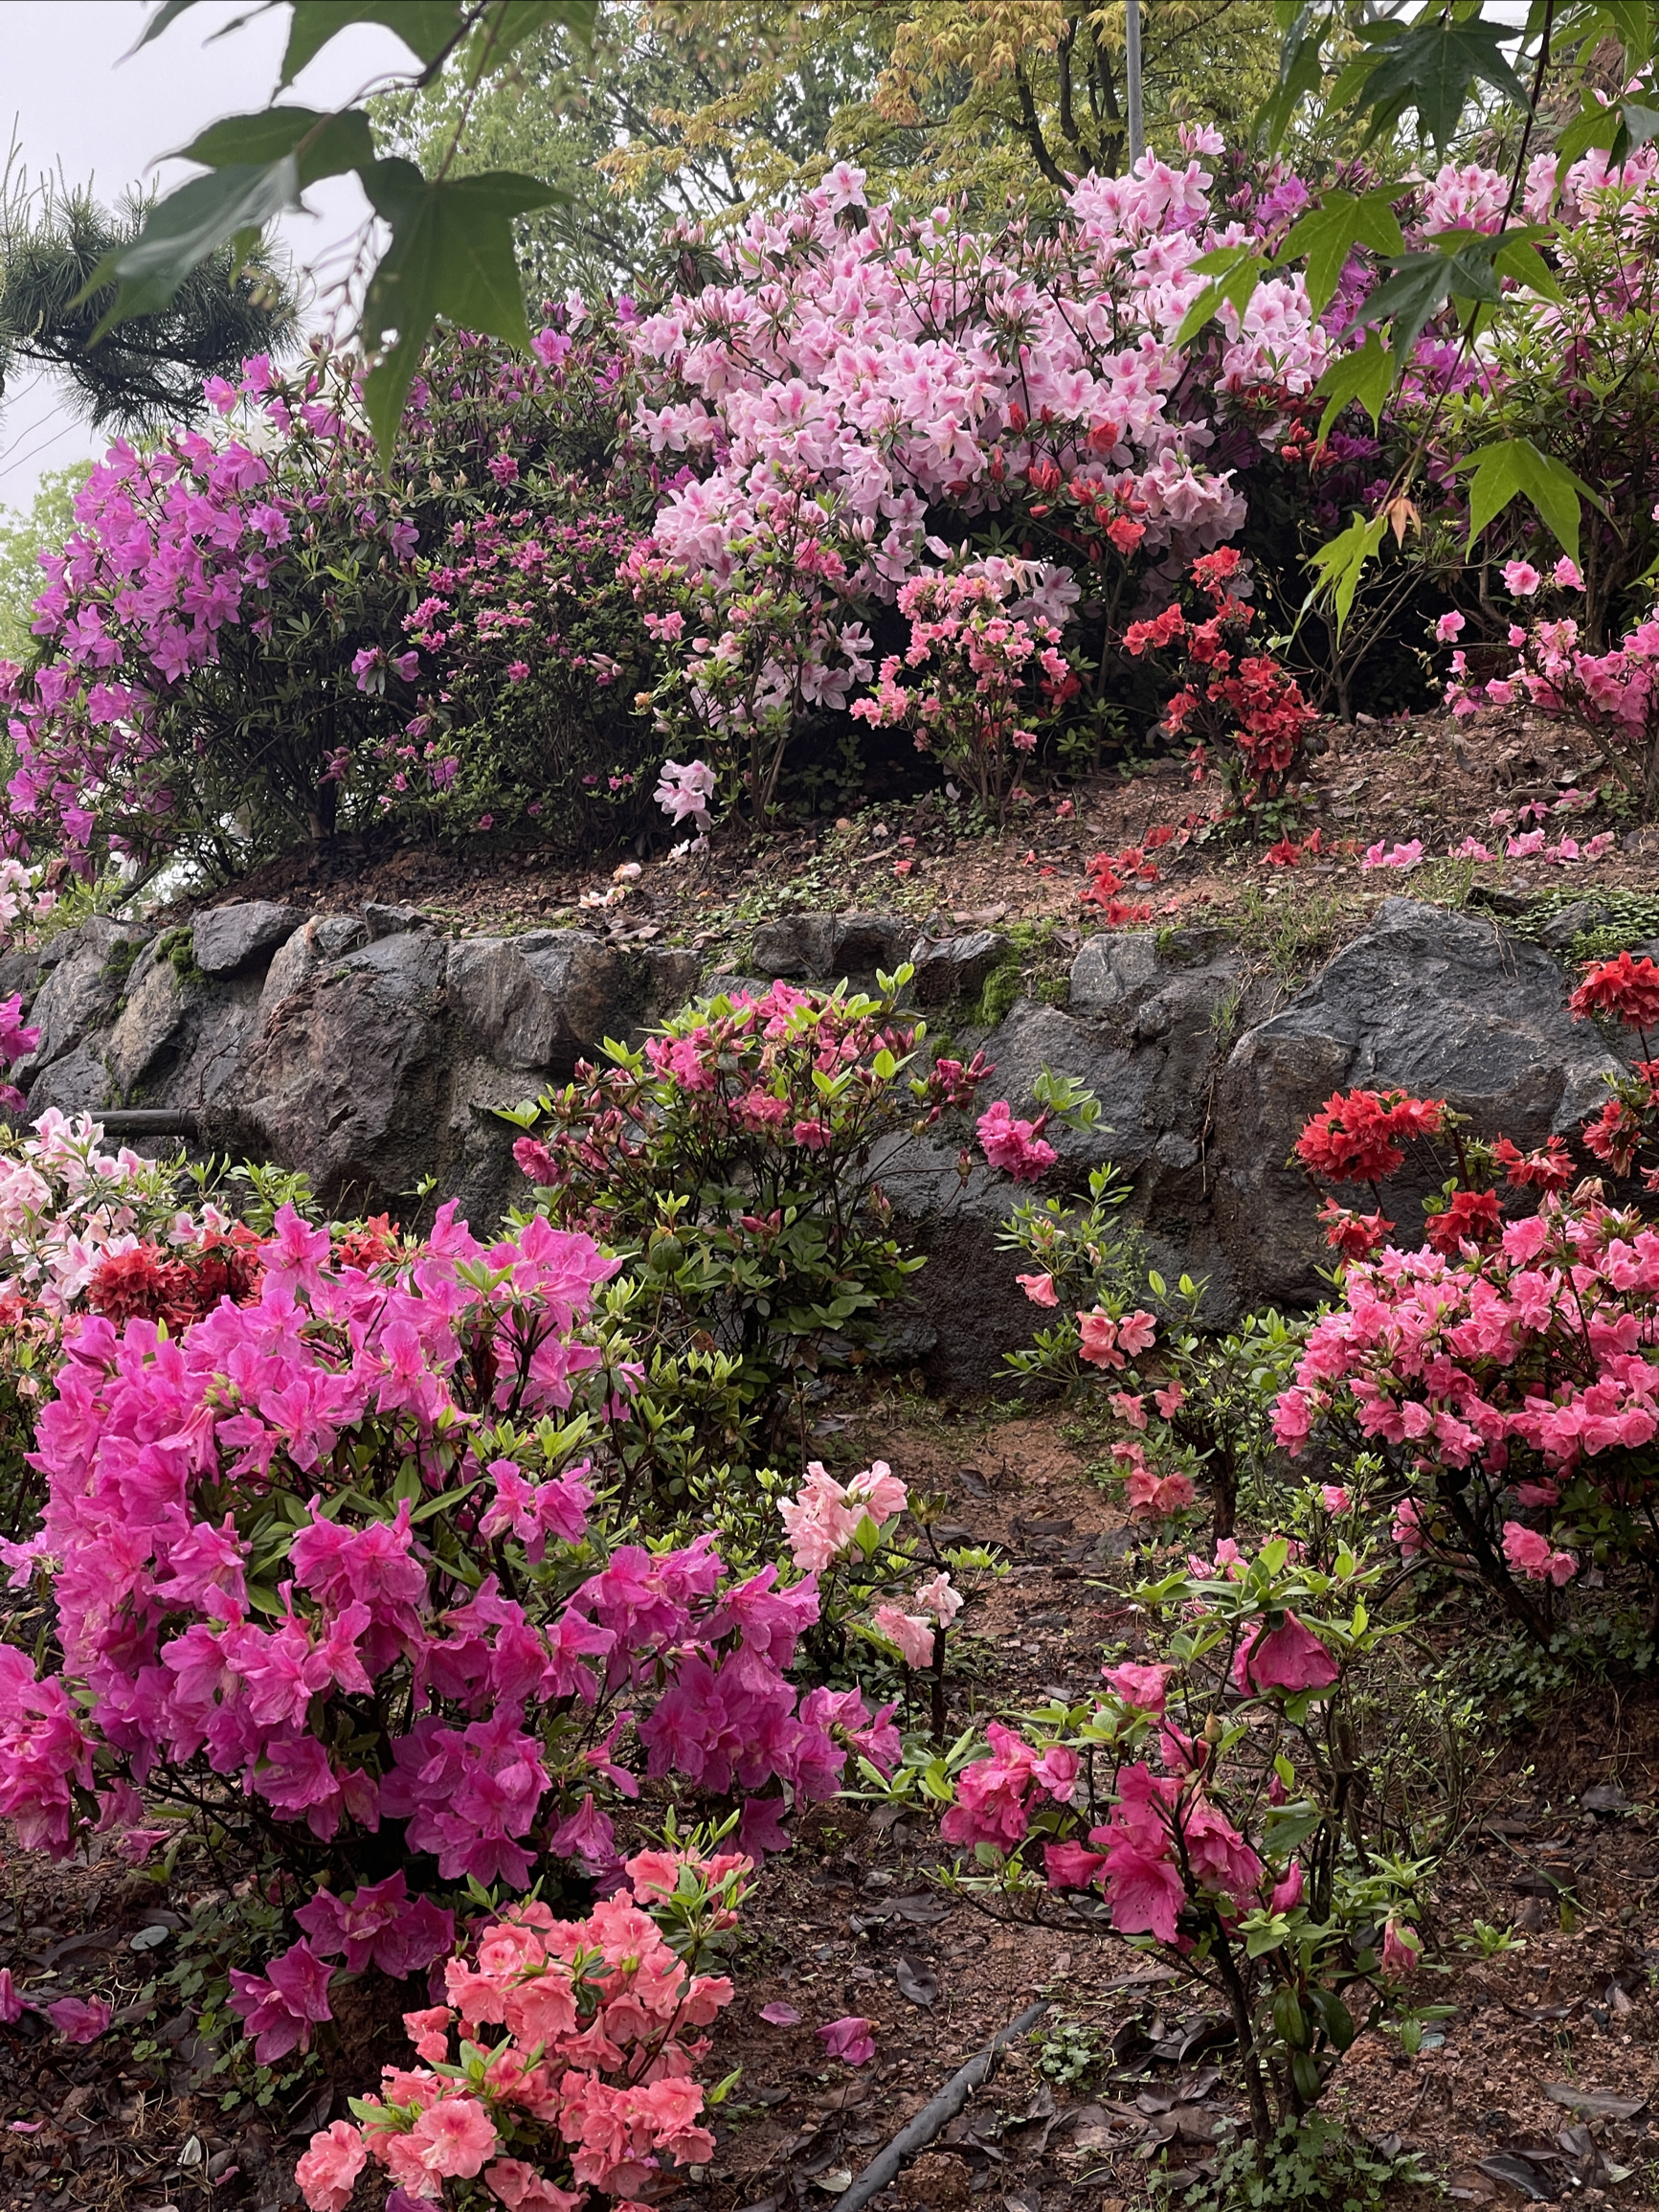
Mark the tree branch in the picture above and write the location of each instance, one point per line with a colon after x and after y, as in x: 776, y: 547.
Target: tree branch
x: 1032, y: 129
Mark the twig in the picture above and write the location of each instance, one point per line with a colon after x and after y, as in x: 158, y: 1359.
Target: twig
x: 920, y: 2132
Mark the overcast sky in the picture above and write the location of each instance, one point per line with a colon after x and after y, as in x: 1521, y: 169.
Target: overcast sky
x: 72, y: 102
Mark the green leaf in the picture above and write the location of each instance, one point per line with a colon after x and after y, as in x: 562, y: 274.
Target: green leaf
x: 1366, y: 375
x: 1430, y: 66
x: 1299, y: 74
x: 331, y: 143
x: 1641, y: 122
x: 1419, y: 286
x: 1519, y: 259
x: 1328, y: 234
x: 426, y: 27
x: 1339, y: 563
x: 451, y: 253
x: 1516, y: 467
x: 1286, y: 1828
x: 185, y: 228
x: 1237, y: 271
x: 441, y: 1504
x: 169, y: 13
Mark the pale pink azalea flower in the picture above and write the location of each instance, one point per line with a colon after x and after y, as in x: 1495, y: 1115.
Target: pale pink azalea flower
x: 1565, y: 575
x: 913, y: 1632
x: 1449, y: 629
x: 1521, y: 579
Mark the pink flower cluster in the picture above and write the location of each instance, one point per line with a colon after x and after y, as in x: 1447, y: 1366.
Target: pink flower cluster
x: 823, y: 1519
x: 591, y: 2073
x: 372, y: 1679
x: 975, y: 664
x: 1524, y: 1362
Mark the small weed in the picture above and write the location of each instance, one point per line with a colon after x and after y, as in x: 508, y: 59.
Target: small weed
x: 1624, y: 919
x: 1290, y: 935
x: 1312, y: 2165
x: 1068, y: 2050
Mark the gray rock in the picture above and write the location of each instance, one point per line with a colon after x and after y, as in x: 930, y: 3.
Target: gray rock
x: 229, y: 938
x: 953, y: 968
x: 671, y: 978
x: 321, y: 940
x: 795, y: 947
x: 75, y: 1082
x: 861, y: 943
x: 145, y: 1036
x: 390, y: 922
x: 87, y: 979
x: 347, y: 1076
x: 20, y: 972
x: 1441, y: 1004
x: 539, y: 1001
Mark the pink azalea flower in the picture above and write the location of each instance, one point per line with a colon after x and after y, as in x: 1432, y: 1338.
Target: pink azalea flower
x: 1401, y: 1948
x: 1287, y: 1894
x: 1566, y: 577
x: 1288, y: 1657
x: 1521, y: 578
x: 454, y: 2136
x: 1038, y: 1289
x: 1448, y: 629
x: 327, y: 2171
x: 1530, y: 1554
x: 849, y: 2040
x: 77, y: 2019
x: 1140, y: 1686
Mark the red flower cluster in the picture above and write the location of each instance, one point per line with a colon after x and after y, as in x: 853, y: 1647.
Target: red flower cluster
x: 1244, y: 699
x: 1549, y: 1169
x: 149, y: 1284
x: 1626, y: 987
x: 377, y: 1241
x: 1472, y: 1217
x: 1354, y: 1235
x: 1353, y: 1139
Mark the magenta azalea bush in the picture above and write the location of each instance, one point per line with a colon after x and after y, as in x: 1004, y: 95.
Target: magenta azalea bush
x: 260, y: 636
x: 328, y: 1564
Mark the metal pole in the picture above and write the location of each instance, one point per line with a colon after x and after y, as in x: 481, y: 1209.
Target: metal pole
x: 1136, y: 136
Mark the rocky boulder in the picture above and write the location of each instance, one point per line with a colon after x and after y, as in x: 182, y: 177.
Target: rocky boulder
x: 1443, y: 1004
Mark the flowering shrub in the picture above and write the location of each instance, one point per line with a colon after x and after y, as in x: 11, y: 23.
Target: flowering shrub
x: 1507, y: 1381
x: 848, y: 384
x: 895, y: 1594
x: 335, y: 1547
x: 730, y: 1158
x: 1191, y: 1407
x: 1242, y: 1853
x: 973, y: 663
x: 1241, y: 706
x: 1570, y: 372
x: 82, y: 1230
x: 1613, y: 697
x: 589, y: 2081
x: 263, y: 635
